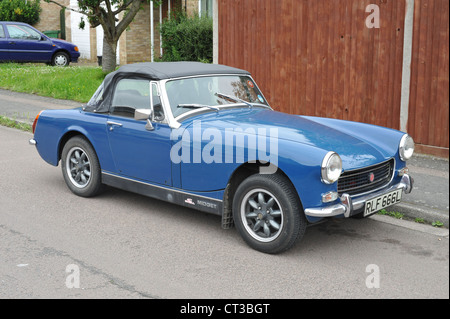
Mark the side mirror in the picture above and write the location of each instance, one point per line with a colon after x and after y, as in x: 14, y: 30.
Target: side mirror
x: 144, y: 114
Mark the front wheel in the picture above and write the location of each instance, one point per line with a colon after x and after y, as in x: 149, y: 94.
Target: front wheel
x: 268, y: 214
x: 81, y: 168
x: 60, y: 59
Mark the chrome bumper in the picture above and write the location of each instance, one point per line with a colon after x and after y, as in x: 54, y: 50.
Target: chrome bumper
x: 347, y: 205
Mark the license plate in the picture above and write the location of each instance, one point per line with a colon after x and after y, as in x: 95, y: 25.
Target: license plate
x: 383, y: 201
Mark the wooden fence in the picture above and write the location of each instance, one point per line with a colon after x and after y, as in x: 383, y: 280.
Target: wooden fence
x: 429, y: 95
x: 319, y: 58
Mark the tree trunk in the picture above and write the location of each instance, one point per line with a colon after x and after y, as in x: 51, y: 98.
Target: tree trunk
x: 109, y: 55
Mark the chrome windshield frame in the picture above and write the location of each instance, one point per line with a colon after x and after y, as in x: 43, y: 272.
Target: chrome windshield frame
x: 175, y: 122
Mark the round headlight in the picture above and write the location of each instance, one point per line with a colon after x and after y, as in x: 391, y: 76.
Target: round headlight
x: 331, y: 168
x: 406, y: 147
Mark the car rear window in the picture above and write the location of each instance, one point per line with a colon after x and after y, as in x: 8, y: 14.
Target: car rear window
x: 2, y: 33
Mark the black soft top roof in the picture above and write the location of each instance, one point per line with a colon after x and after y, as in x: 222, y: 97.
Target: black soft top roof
x: 158, y: 71
x: 170, y: 70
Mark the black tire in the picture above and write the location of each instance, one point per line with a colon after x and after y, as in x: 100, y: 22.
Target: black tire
x: 81, y: 168
x: 60, y: 59
x: 268, y: 214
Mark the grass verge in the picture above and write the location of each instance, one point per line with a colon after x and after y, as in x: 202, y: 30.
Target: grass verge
x: 418, y: 220
x: 76, y: 83
x: 5, y: 121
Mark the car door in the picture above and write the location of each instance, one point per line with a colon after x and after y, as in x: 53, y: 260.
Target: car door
x: 27, y: 44
x: 139, y: 151
x: 4, y: 52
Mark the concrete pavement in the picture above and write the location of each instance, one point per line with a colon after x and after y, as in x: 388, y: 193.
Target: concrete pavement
x: 429, y: 199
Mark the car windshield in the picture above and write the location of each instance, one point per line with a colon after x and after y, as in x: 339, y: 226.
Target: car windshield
x: 186, y: 94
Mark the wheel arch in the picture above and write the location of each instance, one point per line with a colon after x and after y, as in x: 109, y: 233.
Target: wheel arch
x: 61, y: 50
x: 239, y: 175
x: 67, y: 136
x: 93, y: 184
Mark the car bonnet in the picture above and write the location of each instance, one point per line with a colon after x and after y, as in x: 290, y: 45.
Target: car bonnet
x: 356, y: 150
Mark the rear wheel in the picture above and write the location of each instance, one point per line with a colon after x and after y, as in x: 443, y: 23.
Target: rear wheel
x: 268, y: 214
x: 81, y: 168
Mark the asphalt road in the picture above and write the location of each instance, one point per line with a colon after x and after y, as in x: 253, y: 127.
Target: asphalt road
x: 122, y: 245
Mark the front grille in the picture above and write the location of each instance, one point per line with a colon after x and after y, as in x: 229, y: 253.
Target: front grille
x: 359, y: 181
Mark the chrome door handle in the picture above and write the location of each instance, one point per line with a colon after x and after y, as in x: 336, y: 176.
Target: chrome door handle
x: 113, y: 123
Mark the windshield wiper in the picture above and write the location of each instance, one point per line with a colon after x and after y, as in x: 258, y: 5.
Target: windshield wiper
x: 194, y: 106
x: 233, y: 98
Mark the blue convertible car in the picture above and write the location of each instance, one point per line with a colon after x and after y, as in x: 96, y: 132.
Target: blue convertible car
x: 203, y: 136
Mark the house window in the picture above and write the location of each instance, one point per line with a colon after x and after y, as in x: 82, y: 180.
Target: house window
x: 206, y: 8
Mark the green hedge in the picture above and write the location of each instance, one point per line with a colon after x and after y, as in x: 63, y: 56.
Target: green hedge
x: 19, y: 10
x: 186, y: 38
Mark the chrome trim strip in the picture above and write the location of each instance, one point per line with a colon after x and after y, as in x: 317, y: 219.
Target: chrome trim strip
x: 168, y: 116
x: 160, y: 187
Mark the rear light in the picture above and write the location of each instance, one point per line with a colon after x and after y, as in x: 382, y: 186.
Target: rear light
x: 35, y: 121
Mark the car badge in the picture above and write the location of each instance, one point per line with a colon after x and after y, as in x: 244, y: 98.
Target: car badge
x: 371, y: 177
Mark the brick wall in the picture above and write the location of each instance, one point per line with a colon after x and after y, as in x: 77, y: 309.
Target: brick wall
x: 49, y: 17
x: 136, y: 47
x: 192, y: 7
x: 137, y: 37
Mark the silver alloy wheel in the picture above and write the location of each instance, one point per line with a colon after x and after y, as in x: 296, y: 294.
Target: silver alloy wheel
x: 262, y: 215
x: 60, y: 60
x: 78, y: 167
